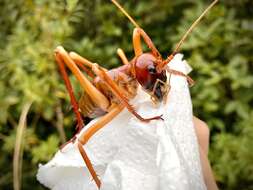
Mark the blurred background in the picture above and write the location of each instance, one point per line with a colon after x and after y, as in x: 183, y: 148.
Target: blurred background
x: 35, y: 113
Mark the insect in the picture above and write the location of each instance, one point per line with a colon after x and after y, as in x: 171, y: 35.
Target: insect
x: 107, y: 93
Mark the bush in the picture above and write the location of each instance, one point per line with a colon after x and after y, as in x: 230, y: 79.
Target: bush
x: 219, y: 50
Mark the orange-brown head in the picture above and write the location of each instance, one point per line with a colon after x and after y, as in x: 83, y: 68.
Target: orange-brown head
x: 149, y: 78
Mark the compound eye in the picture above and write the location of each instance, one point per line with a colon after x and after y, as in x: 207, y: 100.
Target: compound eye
x: 151, y: 69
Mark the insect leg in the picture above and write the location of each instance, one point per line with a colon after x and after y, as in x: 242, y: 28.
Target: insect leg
x: 114, y: 111
x: 88, y: 87
x: 179, y: 73
x: 74, y: 103
x: 137, y: 34
x: 89, y: 164
x: 122, y: 56
x: 83, y: 139
x: 79, y: 59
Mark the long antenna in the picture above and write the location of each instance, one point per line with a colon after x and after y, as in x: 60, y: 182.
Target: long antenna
x: 125, y: 13
x: 192, y: 27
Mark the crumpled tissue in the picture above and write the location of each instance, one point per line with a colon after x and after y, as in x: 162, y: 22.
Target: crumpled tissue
x: 131, y: 155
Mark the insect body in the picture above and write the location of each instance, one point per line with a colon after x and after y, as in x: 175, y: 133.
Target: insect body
x: 107, y: 93
x: 125, y: 82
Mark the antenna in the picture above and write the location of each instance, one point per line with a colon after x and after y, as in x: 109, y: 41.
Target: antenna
x: 193, y: 26
x: 125, y: 13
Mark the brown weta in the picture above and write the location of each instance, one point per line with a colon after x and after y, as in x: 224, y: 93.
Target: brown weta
x: 107, y: 93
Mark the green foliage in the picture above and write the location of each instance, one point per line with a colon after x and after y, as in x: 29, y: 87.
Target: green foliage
x: 45, y: 150
x: 219, y: 50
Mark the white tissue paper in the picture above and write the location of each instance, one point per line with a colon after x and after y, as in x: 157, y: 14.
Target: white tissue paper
x: 128, y: 154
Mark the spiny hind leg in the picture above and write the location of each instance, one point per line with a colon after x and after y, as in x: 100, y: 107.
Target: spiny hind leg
x: 68, y: 85
x: 83, y: 139
x: 64, y: 59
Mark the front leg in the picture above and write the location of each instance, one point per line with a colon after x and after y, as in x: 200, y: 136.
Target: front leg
x: 137, y: 34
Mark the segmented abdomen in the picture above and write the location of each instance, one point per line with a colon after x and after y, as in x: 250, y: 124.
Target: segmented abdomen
x: 88, y: 108
x: 127, y: 84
